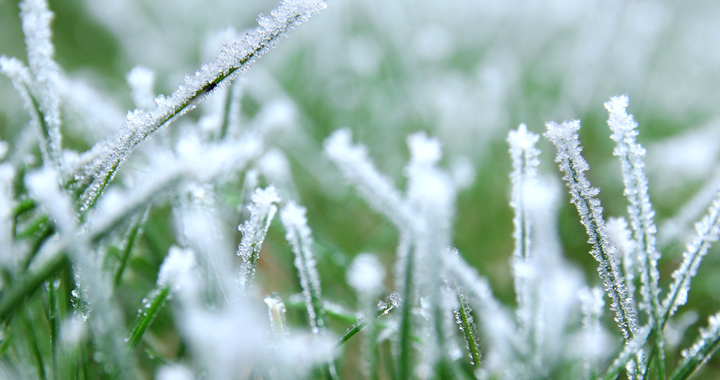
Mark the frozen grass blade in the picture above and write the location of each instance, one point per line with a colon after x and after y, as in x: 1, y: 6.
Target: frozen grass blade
x: 640, y: 209
x: 128, y: 244
x: 262, y: 211
x: 573, y: 165
x: 233, y: 60
x: 700, y: 351
x: 628, y: 354
x: 150, y: 310
x: 357, y: 167
x: 524, y: 157
x: 23, y: 83
x: 706, y: 233
x: 36, y: 26
x: 467, y: 327
x: 299, y: 236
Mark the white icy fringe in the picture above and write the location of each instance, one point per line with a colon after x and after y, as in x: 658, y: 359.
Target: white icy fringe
x: 357, y: 167
x: 8, y: 257
x: 299, y: 236
x: 704, y: 347
x: 36, y: 26
x: 640, y: 210
x: 233, y: 59
x: 524, y: 158
x: 573, y: 165
x: 592, y: 304
x: 620, y: 237
x: 93, y: 284
x: 262, y: 211
x: 706, y: 233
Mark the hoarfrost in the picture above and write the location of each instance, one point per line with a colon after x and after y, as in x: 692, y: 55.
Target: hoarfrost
x: 298, y: 234
x: 262, y: 211
x: 36, y: 26
x: 707, y: 231
x: 357, y: 167
x: 640, y: 209
x: 573, y: 165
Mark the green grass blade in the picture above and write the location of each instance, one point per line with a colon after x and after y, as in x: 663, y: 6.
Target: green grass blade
x: 148, y: 316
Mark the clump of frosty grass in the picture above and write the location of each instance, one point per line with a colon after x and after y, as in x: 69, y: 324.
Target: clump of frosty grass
x: 70, y: 305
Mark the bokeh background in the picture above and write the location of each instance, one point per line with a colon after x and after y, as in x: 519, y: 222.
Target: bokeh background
x: 464, y: 71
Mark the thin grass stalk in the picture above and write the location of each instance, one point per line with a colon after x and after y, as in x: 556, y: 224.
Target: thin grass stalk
x: 565, y: 138
x: 405, y: 351
x: 233, y: 60
x: 467, y: 327
x: 132, y: 234
x: 148, y: 315
x: 33, y: 344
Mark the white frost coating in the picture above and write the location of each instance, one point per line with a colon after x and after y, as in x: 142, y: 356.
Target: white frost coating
x: 7, y: 256
x: 36, y: 26
x: 620, y: 236
x: 142, y: 82
x: 4, y: 147
x: 366, y: 274
x: 524, y: 158
x: 299, y: 236
x: 706, y: 344
x: 174, y: 372
x: 262, y: 211
x: 640, y: 209
x: 175, y: 270
x: 565, y: 138
x: 357, y: 167
x: 202, y: 163
x: 706, y: 233
x: 592, y: 304
x: 20, y: 77
x: 431, y: 199
x: 495, y: 322
x: 43, y: 186
x: 276, y: 312
x: 633, y: 349
x: 233, y: 60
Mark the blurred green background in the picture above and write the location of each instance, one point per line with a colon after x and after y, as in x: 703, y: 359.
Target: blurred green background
x: 466, y: 72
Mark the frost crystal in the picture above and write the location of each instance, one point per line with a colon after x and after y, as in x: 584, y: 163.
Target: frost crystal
x: 524, y: 157
x: 620, y: 237
x: 356, y: 166
x: 298, y: 234
x: 640, y: 209
x: 262, y: 211
x: 36, y: 25
x: 707, y: 231
x: 233, y: 60
x: 573, y: 165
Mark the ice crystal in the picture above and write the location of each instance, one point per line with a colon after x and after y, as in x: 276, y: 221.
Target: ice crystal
x: 262, y: 211
x: 298, y: 234
x: 356, y: 166
x: 707, y: 231
x: 233, y: 60
x: 573, y: 165
x: 640, y: 209
x: 36, y: 26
